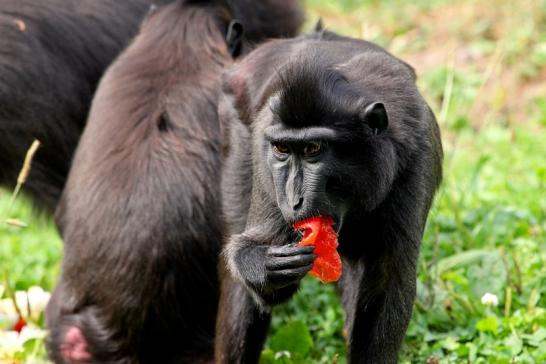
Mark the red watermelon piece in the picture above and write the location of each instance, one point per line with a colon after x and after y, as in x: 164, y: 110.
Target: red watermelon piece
x: 319, y: 231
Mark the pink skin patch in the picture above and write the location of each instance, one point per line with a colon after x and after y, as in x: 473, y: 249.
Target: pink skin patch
x: 74, y: 347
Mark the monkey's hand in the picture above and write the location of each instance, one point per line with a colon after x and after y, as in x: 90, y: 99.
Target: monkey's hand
x: 272, y: 273
x: 287, y: 265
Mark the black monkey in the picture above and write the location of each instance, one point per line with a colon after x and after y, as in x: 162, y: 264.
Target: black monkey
x: 140, y: 214
x: 52, y: 55
x: 324, y: 125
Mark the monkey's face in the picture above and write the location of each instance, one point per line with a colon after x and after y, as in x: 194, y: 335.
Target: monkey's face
x: 326, y: 127
x: 303, y: 166
x: 329, y: 169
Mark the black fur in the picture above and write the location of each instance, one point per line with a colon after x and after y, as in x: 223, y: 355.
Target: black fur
x: 376, y: 170
x: 140, y: 214
x: 52, y: 55
x: 268, y: 18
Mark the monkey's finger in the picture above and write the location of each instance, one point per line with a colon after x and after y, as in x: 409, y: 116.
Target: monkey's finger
x: 288, y: 276
x: 287, y: 250
x: 295, y: 261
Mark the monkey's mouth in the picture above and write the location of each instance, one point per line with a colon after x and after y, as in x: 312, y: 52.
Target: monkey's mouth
x: 338, y: 221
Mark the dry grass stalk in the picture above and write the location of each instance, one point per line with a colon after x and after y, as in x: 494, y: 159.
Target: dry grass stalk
x: 21, y: 179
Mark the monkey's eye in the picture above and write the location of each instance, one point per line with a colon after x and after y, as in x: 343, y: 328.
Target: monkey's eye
x: 280, y: 149
x: 312, y: 149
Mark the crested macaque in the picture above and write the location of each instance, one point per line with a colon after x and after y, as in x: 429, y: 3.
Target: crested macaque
x: 331, y: 126
x: 140, y: 213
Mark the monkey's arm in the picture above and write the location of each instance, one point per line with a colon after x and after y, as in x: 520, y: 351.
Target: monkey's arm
x: 270, y: 271
x: 381, y: 286
x: 382, y: 311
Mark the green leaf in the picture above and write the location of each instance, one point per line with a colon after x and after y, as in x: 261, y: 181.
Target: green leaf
x: 488, y: 324
x: 488, y: 276
x: 268, y: 357
x: 463, y: 259
x: 537, y: 338
x: 293, y: 337
x: 514, y: 344
x: 472, y: 352
x: 450, y: 344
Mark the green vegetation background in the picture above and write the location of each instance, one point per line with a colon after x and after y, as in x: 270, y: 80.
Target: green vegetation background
x: 482, y: 67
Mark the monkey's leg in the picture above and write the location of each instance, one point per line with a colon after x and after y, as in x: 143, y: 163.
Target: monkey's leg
x: 379, y: 279
x: 241, y: 328
x: 378, y: 295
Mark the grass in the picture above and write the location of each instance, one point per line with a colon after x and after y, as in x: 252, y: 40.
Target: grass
x: 482, y: 67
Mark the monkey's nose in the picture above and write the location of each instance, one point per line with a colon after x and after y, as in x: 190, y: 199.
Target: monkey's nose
x: 298, y: 204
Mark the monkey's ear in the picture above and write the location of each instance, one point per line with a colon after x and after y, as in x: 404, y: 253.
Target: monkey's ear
x: 375, y: 117
x: 234, y: 38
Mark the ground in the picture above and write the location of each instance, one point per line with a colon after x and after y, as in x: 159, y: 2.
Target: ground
x: 482, y: 275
